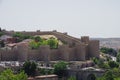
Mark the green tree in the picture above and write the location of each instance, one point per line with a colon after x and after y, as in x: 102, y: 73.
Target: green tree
x: 38, y: 39
x: 30, y: 68
x: 53, y: 43
x: 108, y: 75
x: 113, y: 64
x: 34, y: 45
x: 109, y: 51
x: 19, y: 36
x: 8, y: 75
x: 118, y: 57
x: 116, y: 72
x: 59, y: 68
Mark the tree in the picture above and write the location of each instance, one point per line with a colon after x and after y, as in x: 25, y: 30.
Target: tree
x: 8, y: 75
x: 30, y: 68
x: 38, y: 39
x: 109, y: 51
x: 34, y: 45
x: 59, y: 68
x: 53, y: 43
x: 108, y: 76
x: 116, y: 72
x: 113, y: 64
x: 19, y: 36
x: 118, y: 57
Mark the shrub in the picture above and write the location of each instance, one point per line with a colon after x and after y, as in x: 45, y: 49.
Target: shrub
x: 108, y: 75
x: 53, y: 43
x: 30, y: 68
x: 113, y: 64
x: 21, y: 36
x: 8, y: 75
x: 72, y: 78
x: 59, y: 68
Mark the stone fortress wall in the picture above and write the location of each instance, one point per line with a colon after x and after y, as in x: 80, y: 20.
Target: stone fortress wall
x: 74, y: 50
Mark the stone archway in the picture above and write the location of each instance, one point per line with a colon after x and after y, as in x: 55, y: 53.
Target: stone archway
x: 91, y: 77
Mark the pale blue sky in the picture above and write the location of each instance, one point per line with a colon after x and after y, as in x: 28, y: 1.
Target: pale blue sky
x: 94, y: 18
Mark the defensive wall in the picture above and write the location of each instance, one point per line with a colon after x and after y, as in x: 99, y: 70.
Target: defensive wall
x: 75, y: 49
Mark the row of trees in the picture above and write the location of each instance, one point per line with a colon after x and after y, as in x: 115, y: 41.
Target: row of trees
x: 29, y: 69
x: 109, y: 51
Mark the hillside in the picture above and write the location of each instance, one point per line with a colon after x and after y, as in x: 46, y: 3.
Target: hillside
x: 109, y: 42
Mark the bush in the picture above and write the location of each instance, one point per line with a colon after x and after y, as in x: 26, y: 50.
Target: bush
x: 113, y: 64
x: 118, y: 57
x: 72, y: 78
x: 34, y: 45
x: 8, y: 75
x: 116, y: 72
x: 108, y: 75
x: 59, y: 68
x: 19, y: 36
x: 44, y: 71
x: 53, y: 43
x: 38, y: 39
x: 30, y: 68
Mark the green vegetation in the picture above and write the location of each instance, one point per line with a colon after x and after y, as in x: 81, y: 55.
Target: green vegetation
x: 43, y: 71
x: 105, y: 64
x: 109, y: 51
x: 8, y: 75
x: 30, y: 68
x: 37, y: 41
x: 34, y: 45
x: 108, y: 75
x: 118, y: 57
x: 113, y: 64
x: 59, y: 68
x: 72, y: 78
x: 19, y: 36
x: 113, y: 74
x: 99, y: 61
x: 53, y: 43
x: 1, y: 33
x: 112, y: 67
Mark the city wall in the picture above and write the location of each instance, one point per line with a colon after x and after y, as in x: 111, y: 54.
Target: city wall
x: 74, y: 50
